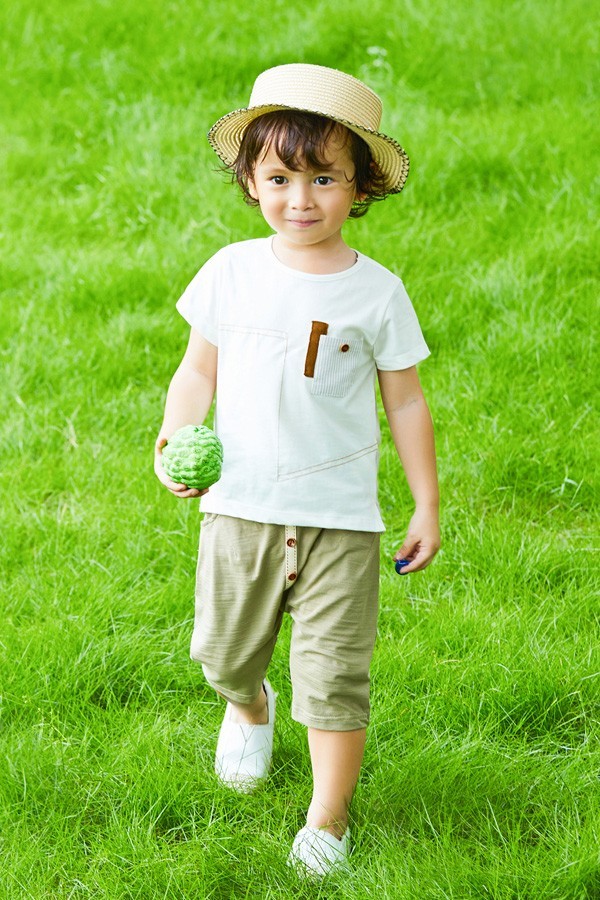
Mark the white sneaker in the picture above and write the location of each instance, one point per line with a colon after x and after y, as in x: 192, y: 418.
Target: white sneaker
x: 316, y: 852
x: 244, y: 752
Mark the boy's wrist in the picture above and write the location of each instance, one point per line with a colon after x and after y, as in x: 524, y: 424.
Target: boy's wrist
x: 431, y: 506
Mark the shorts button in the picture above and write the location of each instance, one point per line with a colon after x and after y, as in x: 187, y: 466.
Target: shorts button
x: 292, y: 576
x: 291, y: 542
x: 344, y: 348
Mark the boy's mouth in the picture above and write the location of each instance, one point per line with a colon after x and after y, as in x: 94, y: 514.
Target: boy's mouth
x: 303, y: 223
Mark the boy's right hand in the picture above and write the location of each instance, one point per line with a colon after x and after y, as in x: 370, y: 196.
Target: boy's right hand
x: 178, y: 490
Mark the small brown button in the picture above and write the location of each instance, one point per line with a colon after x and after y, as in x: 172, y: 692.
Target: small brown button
x: 291, y: 542
x: 292, y: 576
x: 344, y: 348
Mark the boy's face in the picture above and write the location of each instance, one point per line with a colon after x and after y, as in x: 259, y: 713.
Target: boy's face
x: 306, y: 208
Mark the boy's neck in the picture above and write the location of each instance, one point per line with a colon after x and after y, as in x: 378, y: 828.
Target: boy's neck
x: 321, y: 259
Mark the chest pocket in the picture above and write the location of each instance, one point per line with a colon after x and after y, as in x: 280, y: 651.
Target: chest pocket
x: 335, y: 366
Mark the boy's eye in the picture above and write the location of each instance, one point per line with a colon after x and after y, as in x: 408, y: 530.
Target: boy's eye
x: 279, y: 179
x: 323, y: 180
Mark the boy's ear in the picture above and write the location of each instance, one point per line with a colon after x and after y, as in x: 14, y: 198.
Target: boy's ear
x: 252, y: 189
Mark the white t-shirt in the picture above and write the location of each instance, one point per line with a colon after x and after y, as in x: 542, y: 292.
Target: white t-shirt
x: 299, y: 450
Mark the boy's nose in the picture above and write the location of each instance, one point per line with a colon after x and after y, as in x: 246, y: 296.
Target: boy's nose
x: 301, y: 197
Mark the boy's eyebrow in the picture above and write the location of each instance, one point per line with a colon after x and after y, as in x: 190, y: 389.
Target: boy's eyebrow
x: 274, y: 168
x: 331, y: 169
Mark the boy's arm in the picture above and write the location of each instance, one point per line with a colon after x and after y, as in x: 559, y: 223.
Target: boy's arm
x: 189, y: 399
x: 412, y: 432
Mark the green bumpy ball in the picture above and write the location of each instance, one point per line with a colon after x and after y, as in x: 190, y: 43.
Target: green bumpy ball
x: 194, y: 456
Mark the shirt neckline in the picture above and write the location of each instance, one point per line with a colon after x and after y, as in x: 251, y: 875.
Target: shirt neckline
x: 310, y: 276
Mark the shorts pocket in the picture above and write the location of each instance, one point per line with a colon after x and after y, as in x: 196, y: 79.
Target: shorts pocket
x: 336, y: 364
x: 207, y: 520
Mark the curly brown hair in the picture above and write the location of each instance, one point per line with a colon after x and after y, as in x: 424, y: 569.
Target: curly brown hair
x: 299, y: 139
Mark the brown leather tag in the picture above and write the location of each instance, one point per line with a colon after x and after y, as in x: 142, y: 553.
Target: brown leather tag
x: 318, y: 328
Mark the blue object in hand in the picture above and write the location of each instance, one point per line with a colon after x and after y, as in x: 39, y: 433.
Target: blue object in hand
x: 400, y: 563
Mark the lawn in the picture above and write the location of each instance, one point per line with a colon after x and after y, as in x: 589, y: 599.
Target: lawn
x: 481, y: 770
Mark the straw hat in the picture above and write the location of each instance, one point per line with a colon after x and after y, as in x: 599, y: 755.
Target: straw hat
x: 326, y: 92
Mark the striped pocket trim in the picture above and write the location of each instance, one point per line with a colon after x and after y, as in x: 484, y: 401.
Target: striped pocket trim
x: 335, y: 365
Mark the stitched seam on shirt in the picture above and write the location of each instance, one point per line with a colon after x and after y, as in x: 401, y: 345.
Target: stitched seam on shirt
x: 330, y: 464
x: 245, y: 330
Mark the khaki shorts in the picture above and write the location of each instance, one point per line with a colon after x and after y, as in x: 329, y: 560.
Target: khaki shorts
x: 249, y: 575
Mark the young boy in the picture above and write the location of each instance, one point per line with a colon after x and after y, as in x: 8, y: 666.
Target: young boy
x: 290, y: 331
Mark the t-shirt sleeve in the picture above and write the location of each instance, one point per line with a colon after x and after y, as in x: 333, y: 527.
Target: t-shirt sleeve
x: 199, y: 303
x: 400, y: 343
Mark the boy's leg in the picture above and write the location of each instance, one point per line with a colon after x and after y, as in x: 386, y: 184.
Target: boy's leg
x: 238, y: 609
x: 334, y: 611
x: 251, y: 713
x: 336, y: 758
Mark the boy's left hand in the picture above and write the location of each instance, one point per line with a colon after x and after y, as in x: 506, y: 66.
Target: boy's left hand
x: 422, y: 541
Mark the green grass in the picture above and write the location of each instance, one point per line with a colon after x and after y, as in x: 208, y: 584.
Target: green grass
x: 481, y: 771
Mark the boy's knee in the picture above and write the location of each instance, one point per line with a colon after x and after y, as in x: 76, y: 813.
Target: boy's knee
x: 238, y: 684
x: 336, y: 700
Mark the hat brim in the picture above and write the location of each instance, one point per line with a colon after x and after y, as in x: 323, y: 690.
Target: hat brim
x: 226, y: 134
